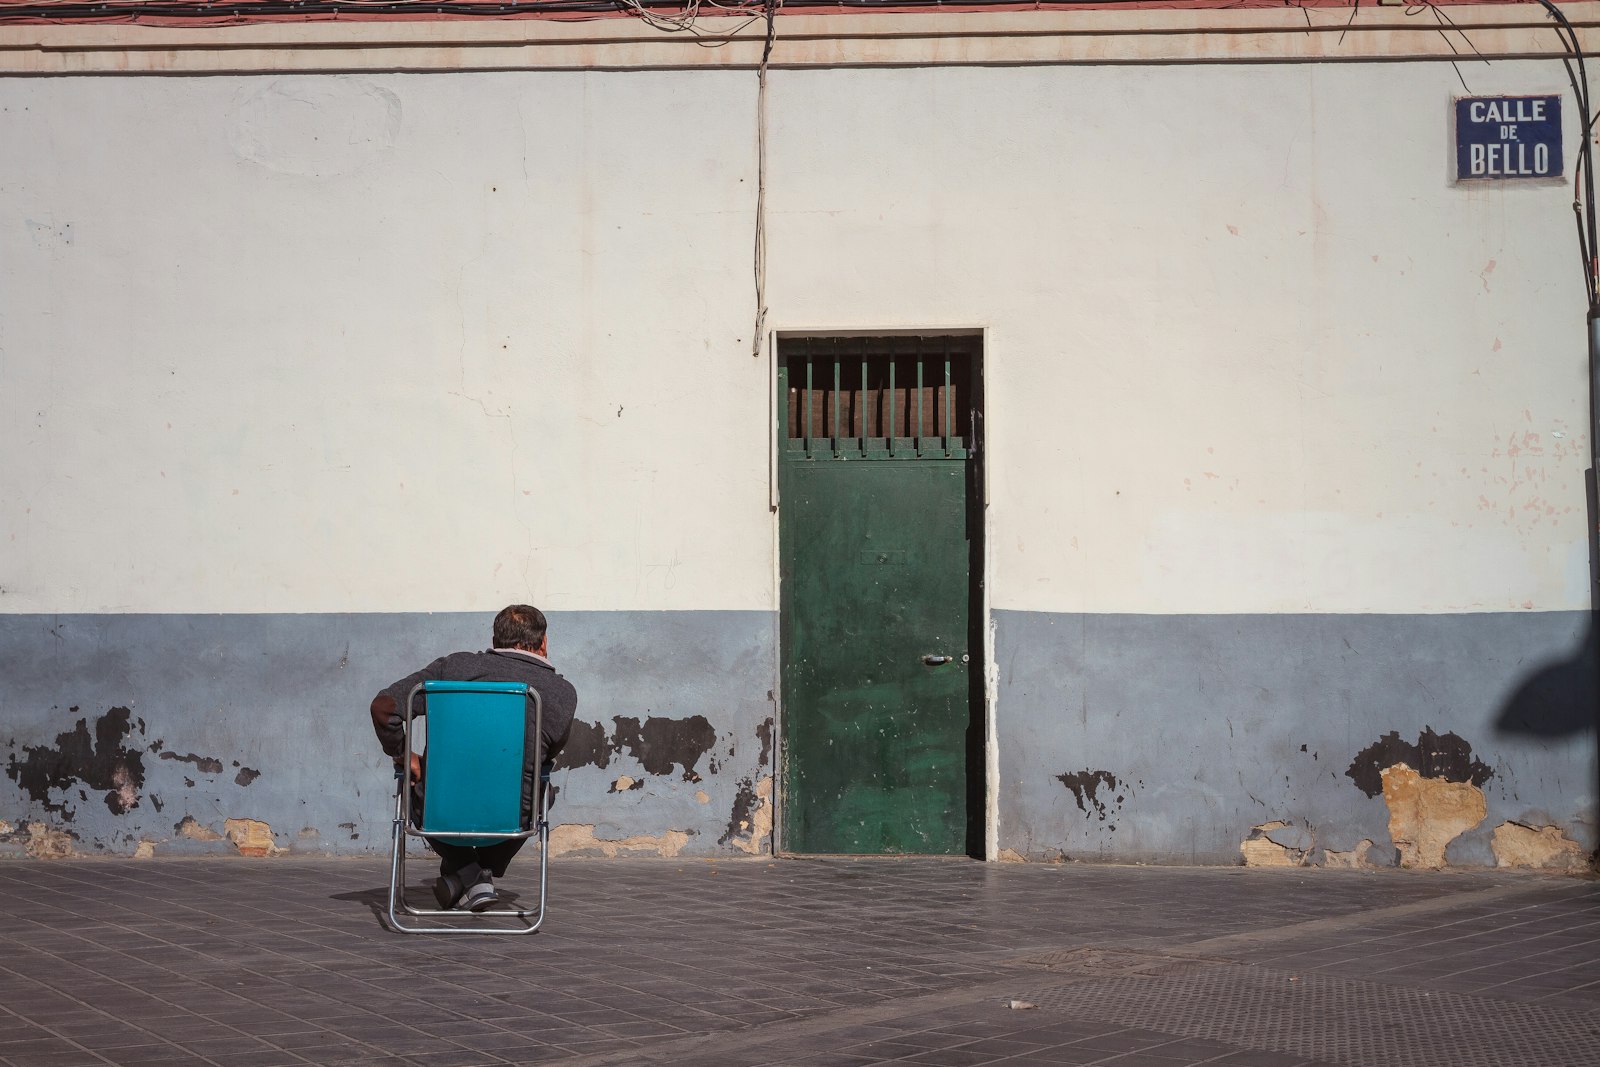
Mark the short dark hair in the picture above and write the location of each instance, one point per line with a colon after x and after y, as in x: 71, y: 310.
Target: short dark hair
x: 520, y: 626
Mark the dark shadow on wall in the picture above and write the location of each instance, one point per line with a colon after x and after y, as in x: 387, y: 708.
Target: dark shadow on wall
x: 1561, y: 700
x: 1558, y: 700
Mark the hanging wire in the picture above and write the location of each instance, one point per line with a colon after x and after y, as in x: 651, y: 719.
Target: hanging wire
x: 672, y: 16
x: 686, y: 17
x: 758, y: 337
x: 1583, y: 178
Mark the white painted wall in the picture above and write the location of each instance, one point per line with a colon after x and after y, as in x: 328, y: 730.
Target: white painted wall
x: 430, y: 342
x: 339, y: 343
x: 1250, y: 350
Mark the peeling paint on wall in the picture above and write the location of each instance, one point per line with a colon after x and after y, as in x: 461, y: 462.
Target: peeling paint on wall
x: 188, y: 827
x: 624, y: 783
x: 251, y: 837
x: 1426, y: 814
x: 77, y: 763
x: 47, y: 842
x: 751, y: 821
x: 203, y: 764
x: 1260, y: 850
x: 579, y: 839
x: 764, y: 735
x: 587, y: 746
x: 1517, y: 845
x: 101, y: 763
x: 146, y: 850
x: 670, y: 723
x: 1363, y: 855
x: 1085, y: 787
x: 1291, y: 843
x: 1445, y: 756
x: 658, y: 744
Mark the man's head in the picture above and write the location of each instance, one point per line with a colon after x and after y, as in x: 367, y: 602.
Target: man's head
x: 520, y: 626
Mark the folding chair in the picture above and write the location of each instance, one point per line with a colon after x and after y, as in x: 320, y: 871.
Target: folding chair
x: 477, y: 747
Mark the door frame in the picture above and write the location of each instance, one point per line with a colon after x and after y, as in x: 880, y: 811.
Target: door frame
x: 981, y: 608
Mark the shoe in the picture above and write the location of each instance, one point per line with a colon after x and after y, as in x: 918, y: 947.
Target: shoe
x: 480, y: 896
x: 447, y: 890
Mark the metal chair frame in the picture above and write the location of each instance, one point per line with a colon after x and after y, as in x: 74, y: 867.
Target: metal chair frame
x: 465, y: 922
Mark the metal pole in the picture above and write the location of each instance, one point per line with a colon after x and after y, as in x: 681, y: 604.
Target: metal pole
x: 1592, y: 481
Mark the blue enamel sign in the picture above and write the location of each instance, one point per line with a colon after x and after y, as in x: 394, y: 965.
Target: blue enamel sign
x: 1507, y: 137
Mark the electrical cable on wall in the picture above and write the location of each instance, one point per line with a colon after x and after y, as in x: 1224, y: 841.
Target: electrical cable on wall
x: 1583, y: 177
x: 671, y: 16
x: 761, y: 181
x: 687, y: 17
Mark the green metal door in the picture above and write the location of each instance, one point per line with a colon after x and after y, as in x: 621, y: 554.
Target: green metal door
x: 877, y: 539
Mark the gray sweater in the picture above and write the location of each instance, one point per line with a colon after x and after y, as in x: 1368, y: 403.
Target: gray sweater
x: 557, y: 696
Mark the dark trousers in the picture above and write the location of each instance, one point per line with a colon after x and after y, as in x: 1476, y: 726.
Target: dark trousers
x: 474, y: 863
x: 470, y: 864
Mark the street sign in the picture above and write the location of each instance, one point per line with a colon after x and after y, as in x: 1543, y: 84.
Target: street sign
x: 1501, y: 138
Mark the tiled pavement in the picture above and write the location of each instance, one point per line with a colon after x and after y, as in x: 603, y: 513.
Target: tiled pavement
x: 803, y: 963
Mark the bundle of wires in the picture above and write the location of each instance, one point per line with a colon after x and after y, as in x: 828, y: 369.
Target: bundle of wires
x: 667, y: 15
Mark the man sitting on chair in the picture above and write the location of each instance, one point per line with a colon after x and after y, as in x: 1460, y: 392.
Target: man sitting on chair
x: 467, y: 873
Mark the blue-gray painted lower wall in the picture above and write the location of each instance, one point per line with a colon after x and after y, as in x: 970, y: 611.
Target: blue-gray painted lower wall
x: 265, y: 717
x: 1120, y: 737
x: 1166, y: 738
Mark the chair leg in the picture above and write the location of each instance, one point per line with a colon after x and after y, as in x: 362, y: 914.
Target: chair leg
x: 397, y: 867
x: 474, y: 923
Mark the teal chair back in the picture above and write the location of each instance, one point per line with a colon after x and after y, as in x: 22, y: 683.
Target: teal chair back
x: 476, y: 755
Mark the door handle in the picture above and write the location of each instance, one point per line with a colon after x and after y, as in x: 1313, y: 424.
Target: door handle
x: 934, y: 661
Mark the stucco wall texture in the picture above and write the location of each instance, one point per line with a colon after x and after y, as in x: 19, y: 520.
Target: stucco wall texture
x: 1156, y: 738
x: 127, y: 729
x: 302, y: 377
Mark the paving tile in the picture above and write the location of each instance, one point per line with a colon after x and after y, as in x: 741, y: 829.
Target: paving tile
x: 964, y: 1056
x: 1054, y: 1056
x: 136, y: 1055
x: 71, y: 1058
x: 885, y: 1049
x: 1190, y: 1050
x: 1256, y: 1059
x: 531, y: 1054
x: 270, y: 1058
x: 37, y: 1046
x: 641, y: 954
x: 598, y: 1046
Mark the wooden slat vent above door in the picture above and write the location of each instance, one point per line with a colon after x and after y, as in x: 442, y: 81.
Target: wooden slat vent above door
x: 893, y: 397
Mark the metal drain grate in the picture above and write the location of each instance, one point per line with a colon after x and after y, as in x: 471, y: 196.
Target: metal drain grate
x: 1337, y: 1020
x: 1117, y: 962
